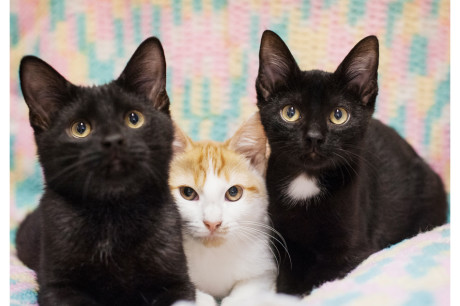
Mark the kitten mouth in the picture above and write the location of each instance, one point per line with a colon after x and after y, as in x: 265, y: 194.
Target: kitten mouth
x: 214, y: 238
x: 213, y: 241
x: 313, y: 155
x: 115, y: 166
x: 313, y: 160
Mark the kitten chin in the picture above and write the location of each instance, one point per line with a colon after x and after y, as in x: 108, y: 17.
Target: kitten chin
x: 213, y: 242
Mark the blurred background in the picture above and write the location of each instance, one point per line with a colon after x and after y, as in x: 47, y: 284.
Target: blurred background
x: 211, y: 52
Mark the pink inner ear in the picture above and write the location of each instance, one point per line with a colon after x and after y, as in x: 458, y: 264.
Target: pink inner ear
x: 359, y: 68
x: 181, y: 140
x: 145, y: 73
x: 44, y: 90
x: 361, y: 74
x: 276, y: 63
x: 250, y: 141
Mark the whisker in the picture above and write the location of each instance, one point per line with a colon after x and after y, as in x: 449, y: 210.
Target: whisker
x: 254, y: 235
x: 87, y: 184
x: 347, y: 162
x: 72, y: 168
x: 284, y: 245
x: 361, y: 158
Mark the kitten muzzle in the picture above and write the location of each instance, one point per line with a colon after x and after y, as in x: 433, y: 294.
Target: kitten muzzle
x: 115, y: 165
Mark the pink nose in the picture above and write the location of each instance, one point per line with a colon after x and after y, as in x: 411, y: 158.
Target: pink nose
x: 212, y: 226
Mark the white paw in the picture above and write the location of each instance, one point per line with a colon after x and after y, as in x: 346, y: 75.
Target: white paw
x: 184, y: 303
x: 266, y: 299
x: 204, y: 299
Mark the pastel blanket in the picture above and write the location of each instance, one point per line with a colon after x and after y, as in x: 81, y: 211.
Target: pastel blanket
x: 414, y: 272
x: 212, y: 49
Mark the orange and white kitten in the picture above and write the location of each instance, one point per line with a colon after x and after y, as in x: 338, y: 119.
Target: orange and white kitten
x: 220, y: 191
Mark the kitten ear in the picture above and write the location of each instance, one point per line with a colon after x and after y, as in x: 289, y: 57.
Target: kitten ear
x: 276, y: 64
x: 145, y: 73
x: 181, y: 141
x: 44, y: 91
x: 250, y: 141
x: 358, y: 71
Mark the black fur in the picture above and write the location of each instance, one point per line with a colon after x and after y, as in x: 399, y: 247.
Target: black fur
x: 106, y: 231
x: 375, y: 189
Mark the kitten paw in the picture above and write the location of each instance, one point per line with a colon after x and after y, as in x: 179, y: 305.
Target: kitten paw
x: 201, y: 299
x: 265, y: 299
x: 184, y: 303
x: 204, y: 299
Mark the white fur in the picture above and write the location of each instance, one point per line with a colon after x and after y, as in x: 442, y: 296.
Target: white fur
x: 302, y: 188
x: 242, y: 265
x: 273, y: 299
x: 262, y: 299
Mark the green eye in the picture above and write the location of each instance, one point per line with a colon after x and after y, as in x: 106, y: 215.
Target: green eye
x: 80, y: 129
x: 134, y: 119
x: 188, y: 193
x: 290, y: 114
x: 339, y: 116
x: 234, y: 193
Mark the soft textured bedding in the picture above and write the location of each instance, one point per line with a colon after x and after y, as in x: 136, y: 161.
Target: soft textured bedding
x: 414, y: 272
x: 211, y: 50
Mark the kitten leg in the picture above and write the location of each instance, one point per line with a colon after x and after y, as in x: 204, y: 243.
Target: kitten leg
x: 272, y: 299
x: 246, y: 289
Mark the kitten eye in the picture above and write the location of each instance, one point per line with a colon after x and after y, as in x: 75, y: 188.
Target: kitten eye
x: 188, y: 193
x: 290, y: 114
x: 80, y: 129
x: 339, y: 116
x: 134, y: 119
x: 234, y: 193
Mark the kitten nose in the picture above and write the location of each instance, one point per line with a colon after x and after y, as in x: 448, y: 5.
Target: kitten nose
x: 114, y: 140
x: 315, y: 137
x: 212, y: 226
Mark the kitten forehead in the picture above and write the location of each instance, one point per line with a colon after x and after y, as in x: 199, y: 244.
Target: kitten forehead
x: 194, y: 165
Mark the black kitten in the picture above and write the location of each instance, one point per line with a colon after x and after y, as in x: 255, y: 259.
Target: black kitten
x: 341, y: 184
x: 106, y: 231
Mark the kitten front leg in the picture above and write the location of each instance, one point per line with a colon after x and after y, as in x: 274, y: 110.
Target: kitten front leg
x: 64, y: 296
x: 246, y: 289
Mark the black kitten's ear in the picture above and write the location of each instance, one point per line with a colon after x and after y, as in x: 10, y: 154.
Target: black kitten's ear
x: 250, y: 141
x: 44, y: 90
x: 145, y: 73
x: 276, y: 64
x: 358, y: 71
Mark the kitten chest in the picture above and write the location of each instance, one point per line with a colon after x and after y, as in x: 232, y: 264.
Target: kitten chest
x: 215, y: 270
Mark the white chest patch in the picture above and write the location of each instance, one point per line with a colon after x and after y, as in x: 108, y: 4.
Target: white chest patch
x: 303, y: 187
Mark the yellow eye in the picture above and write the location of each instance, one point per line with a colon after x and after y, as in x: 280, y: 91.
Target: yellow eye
x: 339, y: 116
x: 80, y: 129
x: 234, y: 193
x: 188, y: 193
x: 134, y: 119
x: 290, y: 114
